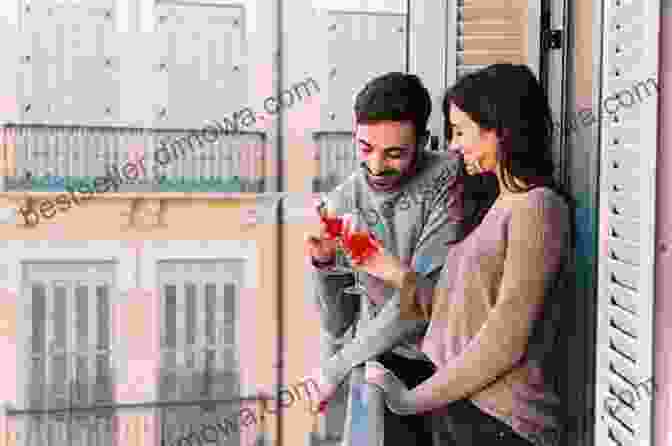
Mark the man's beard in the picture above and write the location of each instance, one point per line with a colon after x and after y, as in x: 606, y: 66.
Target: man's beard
x: 390, y: 178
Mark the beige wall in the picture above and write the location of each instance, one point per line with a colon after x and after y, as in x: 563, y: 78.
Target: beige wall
x: 155, y: 217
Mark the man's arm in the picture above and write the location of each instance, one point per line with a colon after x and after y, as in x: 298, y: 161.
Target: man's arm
x: 381, y: 334
x: 442, y: 224
x: 338, y: 312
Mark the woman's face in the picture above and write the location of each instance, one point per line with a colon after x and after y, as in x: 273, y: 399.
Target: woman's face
x: 478, y: 146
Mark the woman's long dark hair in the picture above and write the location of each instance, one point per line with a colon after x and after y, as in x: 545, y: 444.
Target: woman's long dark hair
x: 508, y: 99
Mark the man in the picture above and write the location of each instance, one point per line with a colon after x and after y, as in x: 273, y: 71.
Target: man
x: 411, y: 199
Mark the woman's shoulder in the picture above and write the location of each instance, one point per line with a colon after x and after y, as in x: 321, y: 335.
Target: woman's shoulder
x: 540, y: 206
x: 542, y: 197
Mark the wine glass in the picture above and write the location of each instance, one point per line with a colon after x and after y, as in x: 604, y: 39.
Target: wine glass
x: 334, y: 230
x: 333, y: 223
x: 359, y: 244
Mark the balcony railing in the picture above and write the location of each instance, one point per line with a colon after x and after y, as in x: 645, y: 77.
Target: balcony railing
x: 180, y: 423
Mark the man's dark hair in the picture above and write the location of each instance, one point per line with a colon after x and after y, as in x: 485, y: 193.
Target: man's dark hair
x: 394, y: 96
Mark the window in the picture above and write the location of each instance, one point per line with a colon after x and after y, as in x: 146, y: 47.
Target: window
x: 199, y: 354
x: 69, y: 352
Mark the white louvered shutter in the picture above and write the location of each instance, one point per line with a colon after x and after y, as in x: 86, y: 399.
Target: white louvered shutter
x: 627, y: 217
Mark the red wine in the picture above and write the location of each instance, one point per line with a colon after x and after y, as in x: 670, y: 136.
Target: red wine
x: 360, y: 245
x: 334, y: 226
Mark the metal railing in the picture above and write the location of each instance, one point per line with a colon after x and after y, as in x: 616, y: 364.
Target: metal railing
x: 180, y: 423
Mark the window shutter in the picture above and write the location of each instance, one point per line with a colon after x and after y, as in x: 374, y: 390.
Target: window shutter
x: 628, y: 132
x: 487, y: 34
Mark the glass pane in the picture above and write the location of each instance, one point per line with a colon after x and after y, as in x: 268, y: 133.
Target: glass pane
x: 102, y: 293
x: 168, y: 385
x: 60, y: 322
x: 208, y: 372
x: 210, y: 312
x: 229, y: 302
x: 78, y: 430
x: 225, y: 384
x: 59, y: 380
x: 228, y: 334
x: 189, y: 358
x: 82, y: 383
x: 39, y: 316
x: 188, y: 380
x: 170, y: 310
x: 228, y: 358
x: 55, y: 435
x: 36, y: 386
x: 190, y: 322
x: 34, y: 432
x: 82, y: 310
x: 168, y: 359
x: 103, y: 387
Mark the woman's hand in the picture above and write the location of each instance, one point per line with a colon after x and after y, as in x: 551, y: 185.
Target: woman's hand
x: 397, y: 396
x: 383, y: 266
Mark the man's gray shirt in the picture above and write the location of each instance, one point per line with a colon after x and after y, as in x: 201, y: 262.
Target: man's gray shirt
x: 415, y: 223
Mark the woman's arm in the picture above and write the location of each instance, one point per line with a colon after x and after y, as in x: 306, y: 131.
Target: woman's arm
x: 537, y: 237
x: 416, y: 290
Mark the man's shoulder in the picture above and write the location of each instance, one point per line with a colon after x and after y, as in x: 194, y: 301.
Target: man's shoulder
x: 440, y: 168
x: 440, y: 161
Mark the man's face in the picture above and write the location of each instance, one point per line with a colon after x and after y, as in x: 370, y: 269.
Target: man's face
x: 388, y: 148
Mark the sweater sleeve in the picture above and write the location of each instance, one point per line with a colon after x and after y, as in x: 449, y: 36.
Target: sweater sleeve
x: 442, y: 223
x: 537, y: 240
x: 381, y: 334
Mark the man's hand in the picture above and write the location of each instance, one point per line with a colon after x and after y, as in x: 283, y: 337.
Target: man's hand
x: 323, y: 391
x: 319, y: 246
x: 320, y: 249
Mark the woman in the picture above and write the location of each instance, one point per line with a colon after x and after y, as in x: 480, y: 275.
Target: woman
x: 492, y: 310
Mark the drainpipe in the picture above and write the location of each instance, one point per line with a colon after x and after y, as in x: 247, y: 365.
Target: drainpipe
x: 280, y: 150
